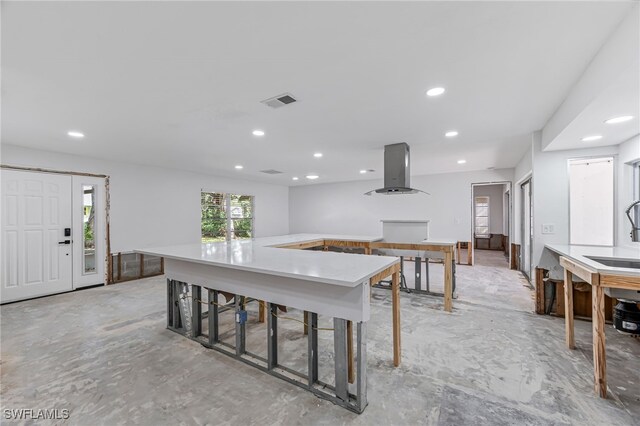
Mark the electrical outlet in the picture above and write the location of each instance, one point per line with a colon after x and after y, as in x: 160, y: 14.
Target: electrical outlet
x: 548, y: 228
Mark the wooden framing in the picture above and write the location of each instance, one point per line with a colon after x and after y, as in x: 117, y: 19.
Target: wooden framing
x: 303, y: 246
x: 515, y: 257
x: 469, y: 253
x: 539, y: 286
x: 598, y: 283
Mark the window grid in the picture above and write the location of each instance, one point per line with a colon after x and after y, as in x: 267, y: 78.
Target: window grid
x: 482, y: 217
x: 226, y: 216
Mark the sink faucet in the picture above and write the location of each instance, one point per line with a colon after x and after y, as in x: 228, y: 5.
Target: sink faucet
x: 635, y: 230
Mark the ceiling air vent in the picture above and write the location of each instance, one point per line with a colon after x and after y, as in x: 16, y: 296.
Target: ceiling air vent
x: 271, y: 172
x: 280, y: 100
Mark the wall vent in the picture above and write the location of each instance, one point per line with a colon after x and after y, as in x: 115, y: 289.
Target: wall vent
x: 271, y: 172
x: 280, y: 100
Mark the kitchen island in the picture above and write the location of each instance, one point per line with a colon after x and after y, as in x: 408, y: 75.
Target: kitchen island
x: 605, y: 269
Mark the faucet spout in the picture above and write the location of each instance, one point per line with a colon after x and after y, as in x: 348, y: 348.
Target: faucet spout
x: 635, y: 230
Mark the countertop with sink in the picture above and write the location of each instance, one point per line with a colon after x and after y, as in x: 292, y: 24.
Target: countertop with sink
x: 624, y: 261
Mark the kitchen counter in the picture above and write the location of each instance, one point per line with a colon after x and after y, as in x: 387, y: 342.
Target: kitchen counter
x: 263, y: 255
x: 618, y: 282
x: 582, y: 254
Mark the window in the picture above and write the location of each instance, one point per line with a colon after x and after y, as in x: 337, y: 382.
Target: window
x: 482, y: 217
x: 591, y: 201
x: 226, y: 216
x: 636, y: 191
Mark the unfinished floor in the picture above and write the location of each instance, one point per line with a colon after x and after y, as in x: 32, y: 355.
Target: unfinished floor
x: 105, y: 355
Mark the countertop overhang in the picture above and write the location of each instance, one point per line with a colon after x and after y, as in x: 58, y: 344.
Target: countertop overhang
x: 581, y: 254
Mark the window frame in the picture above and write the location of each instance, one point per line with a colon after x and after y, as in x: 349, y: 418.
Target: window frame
x: 614, y: 162
x: 475, y: 216
x: 636, y: 189
x: 226, y: 196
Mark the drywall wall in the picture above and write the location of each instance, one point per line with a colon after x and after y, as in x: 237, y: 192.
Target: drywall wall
x: 628, y: 153
x: 342, y: 208
x: 522, y: 172
x: 496, y: 195
x: 551, y: 192
x: 152, y: 206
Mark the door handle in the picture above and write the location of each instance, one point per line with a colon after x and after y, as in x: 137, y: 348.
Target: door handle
x: 64, y: 242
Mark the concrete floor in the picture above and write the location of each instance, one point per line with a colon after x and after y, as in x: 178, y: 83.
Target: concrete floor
x: 105, y: 355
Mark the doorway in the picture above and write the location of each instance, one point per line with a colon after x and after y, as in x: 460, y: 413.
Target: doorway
x: 527, y: 229
x: 491, y: 211
x: 53, y: 233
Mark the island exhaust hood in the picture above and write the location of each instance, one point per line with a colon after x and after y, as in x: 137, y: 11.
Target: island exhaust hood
x: 396, y: 171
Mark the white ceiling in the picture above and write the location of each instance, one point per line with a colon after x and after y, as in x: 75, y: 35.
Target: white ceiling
x: 621, y: 98
x: 179, y: 84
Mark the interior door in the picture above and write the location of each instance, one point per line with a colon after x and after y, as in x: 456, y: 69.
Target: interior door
x: 527, y: 229
x: 89, y: 247
x: 36, y: 255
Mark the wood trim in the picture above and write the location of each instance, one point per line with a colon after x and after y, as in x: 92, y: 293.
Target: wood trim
x: 620, y: 281
x: 41, y: 170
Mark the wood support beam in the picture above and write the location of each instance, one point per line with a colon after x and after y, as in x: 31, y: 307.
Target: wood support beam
x: 599, y: 352
x: 568, y: 310
x: 395, y: 290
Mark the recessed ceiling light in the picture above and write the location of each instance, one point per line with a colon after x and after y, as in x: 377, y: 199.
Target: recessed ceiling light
x: 239, y: 167
x: 317, y: 155
x: 258, y: 133
x: 451, y: 134
x: 591, y: 138
x: 363, y: 172
x: 294, y: 178
x: 621, y: 119
x: 312, y: 177
x: 75, y: 134
x: 436, y: 91
x: 462, y: 161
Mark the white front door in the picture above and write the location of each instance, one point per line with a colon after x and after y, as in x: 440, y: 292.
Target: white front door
x: 35, y: 254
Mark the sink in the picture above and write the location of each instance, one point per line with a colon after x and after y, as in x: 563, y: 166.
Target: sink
x: 616, y: 263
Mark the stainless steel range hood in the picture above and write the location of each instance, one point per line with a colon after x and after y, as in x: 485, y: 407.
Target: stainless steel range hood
x: 396, y: 171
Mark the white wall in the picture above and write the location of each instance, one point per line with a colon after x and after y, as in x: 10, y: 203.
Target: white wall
x: 628, y: 153
x: 522, y: 171
x: 551, y: 192
x: 153, y: 206
x: 496, y: 196
x: 342, y: 208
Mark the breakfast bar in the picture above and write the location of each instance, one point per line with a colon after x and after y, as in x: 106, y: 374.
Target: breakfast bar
x: 606, y: 269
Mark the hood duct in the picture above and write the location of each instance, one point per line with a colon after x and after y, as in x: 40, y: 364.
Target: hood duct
x: 397, y: 179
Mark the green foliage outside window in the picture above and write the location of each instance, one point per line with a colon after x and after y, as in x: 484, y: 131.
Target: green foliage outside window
x: 216, y: 226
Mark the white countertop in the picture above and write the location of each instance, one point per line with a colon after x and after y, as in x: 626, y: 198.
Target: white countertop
x: 440, y: 242
x: 403, y: 221
x: 259, y: 255
x: 579, y: 254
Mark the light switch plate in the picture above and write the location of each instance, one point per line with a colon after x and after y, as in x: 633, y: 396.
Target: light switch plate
x: 548, y: 228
